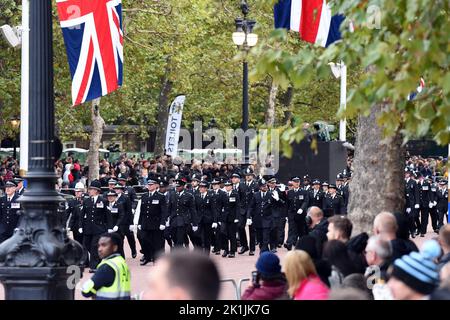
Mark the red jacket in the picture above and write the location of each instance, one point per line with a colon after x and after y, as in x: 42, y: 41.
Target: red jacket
x: 268, y: 290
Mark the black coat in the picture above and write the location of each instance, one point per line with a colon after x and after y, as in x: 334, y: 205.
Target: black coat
x: 319, y: 232
x: 73, y: 212
x: 261, y: 210
x: 206, y: 210
x: 246, y: 194
x: 442, y: 200
x: 94, y: 217
x: 131, y: 194
x: 279, y: 206
x: 424, y: 194
x: 316, y: 201
x: 181, y: 209
x: 153, y: 211
x: 230, y: 207
x: 116, y: 214
x: 9, y: 215
x: 333, y: 206
x: 411, y: 194
x: 127, y: 219
x: 297, y: 200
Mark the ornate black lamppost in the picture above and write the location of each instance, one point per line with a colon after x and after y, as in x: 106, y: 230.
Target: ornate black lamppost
x: 34, y: 261
x: 245, y: 39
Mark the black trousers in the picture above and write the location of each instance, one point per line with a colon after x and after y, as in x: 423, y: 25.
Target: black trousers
x: 216, y: 239
x: 273, y: 234
x: 241, y: 230
x: 292, y: 231
x: 126, y: 233
x: 263, y: 237
x: 434, y: 218
x: 153, y: 241
x: 90, y: 243
x: 206, y: 232
x: 178, y: 236
x: 424, y: 212
x: 228, y: 234
x: 281, y: 230
x: 440, y: 218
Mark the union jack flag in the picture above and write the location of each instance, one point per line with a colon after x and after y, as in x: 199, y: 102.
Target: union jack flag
x: 93, y: 36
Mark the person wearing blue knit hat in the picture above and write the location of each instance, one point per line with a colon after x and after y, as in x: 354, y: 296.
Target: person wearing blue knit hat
x: 269, y: 283
x: 415, y: 276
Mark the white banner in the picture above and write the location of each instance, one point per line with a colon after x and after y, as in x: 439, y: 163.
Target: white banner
x: 174, y: 125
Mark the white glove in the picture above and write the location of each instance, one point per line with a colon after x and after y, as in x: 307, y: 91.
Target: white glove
x: 408, y: 210
x: 68, y: 229
x: 168, y: 223
x: 220, y: 223
x: 275, y: 195
x: 110, y: 230
x: 194, y: 228
x: 434, y: 204
x: 300, y: 211
x: 139, y: 227
x: 282, y: 187
x: 236, y: 221
x: 162, y: 227
x: 430, y: 205
x: 214, y: 225
x: 80, y: 230
x: 115, y: 228
x: 132, y: 228
x: 249, y: 222
x: 417, y: 206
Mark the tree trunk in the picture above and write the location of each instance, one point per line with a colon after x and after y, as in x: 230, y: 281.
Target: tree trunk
x: 378, y: 180
x: 286, y: 101
x: 270, y: 113
x: 163, y: 103
x: 98, y: 124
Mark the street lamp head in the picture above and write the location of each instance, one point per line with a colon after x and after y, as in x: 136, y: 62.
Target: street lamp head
x: 239, y: 35
x: 252, y: 39
x: 11, y: 35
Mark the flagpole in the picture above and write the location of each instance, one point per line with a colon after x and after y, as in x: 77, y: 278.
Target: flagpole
x: 343, y: 102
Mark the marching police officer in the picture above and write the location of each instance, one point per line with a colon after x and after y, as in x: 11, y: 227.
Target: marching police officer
x: 425, y: 202
x: 278, y: 205
x: 297, y: 203
x: 442, y: 202
x: 128, y: 191
x: 246, y: 189
x: 111, y: 184
x: 346, y: 190
x: 228, y: 220
x: 127, y: 220
x: 333, y: 204
x: 433, y: 204
x: 316, y: 195
x: 260, y: 215
x: 73, y: 212
x: 206, y: 216
x: 9, y: 211
x: 94, y: 221
x: 181, y: 210
x: 20, y: 188
x: 412, y: 201
x: 217, y: 197
x: 152, y: 211
x: 339, y: 183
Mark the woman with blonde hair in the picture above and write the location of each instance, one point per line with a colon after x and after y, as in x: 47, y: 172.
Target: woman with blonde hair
x: 304, y: 283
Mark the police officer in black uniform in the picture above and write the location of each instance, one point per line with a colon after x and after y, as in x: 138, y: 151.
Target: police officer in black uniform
x: 412, y: 201
x: 278, y: 205
x: 152, y: 210
x: 181, y: 210
x: 228, y: 220
x: 128, y: 191
x: 206, y: 216
x: 433, y: 204
x: 333, y: 204
x: 20, y: 189
x: 297, y: 203
x: 9, y: 211
x: 316, y: 195
x: 73, y: 212
x: 425, y: 202
x: 346, y: 190
x: 127, y: 220
x: 217, y: 199
x: 116, y: 212
x: 94, y: 220
x: 246, y: 189
x: 442, y: 202
x: 260, y: 214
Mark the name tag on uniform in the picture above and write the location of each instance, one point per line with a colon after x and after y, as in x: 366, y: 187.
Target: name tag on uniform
x: 232, y: 199
x: 100, y: 205
x: 433, y: 189
x: 114, y: 210
x: 425, y: 188
x: 15, y: 205
x: 155, y: 201
x: 301, y: 197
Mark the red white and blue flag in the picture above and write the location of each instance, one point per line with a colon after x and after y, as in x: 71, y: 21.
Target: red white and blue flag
x: 93, y: 36
x: 311, y: 18
x: 419, y: 89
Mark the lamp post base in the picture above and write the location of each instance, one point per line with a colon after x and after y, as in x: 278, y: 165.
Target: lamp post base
x: 37, y: 283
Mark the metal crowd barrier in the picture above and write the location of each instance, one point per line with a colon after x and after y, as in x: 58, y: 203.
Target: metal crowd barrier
x: 237, y: 286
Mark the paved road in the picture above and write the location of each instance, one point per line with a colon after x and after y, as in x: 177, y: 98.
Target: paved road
x: 237, y: 268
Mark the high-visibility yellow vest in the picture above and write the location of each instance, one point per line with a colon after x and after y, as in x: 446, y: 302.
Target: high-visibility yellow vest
x: 121, y: 287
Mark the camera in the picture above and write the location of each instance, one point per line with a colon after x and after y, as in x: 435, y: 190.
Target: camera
x: 255, y: 278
